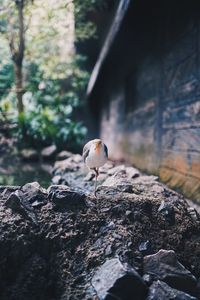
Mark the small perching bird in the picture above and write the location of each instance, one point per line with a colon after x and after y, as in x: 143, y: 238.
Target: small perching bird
x: 95, y: 155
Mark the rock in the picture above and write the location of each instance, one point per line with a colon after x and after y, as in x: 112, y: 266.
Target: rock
x: 167, y: 210
x: 6, y: 190
x: 119, y: 181
x: 132, y: 172
x: 77, y: 158
x: 137, y: 216
x: 63, y: 155
x: 57, y: 179
x: 29, y: 155
x: 116, y: 170
x: 145, y: 247
x: 146, y: 179
x: 157, y: 188
x: 49, y: 152
x: 164, y: 266
x: 159, y: 290
x: 147, y: 279
x: 193, y: 213
x: 105, y: 168
x: 47, y: 168
x: 18, y: 203
x: 35, y: 194
x: 66, y: 165
x: 89, y: 176
x: 108, y: 250
x: 113, y: 279
x: 64, y: 197
x: 106, y: 228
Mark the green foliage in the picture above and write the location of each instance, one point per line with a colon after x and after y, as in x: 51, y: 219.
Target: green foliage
x: 55, y: 78
x: 86, y: 29
x: 6, y: 79
x: 6, y: 70
x: 45, y: 126
x: 50, y: 109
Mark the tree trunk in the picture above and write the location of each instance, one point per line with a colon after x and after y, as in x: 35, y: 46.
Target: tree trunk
x: 18, y: 54
x: 19, y: 87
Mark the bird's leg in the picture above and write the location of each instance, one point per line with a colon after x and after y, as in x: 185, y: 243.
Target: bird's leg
x: 96, y: 175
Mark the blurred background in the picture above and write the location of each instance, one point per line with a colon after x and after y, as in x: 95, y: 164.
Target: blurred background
x: 47, y: 52
x: 126, y: 71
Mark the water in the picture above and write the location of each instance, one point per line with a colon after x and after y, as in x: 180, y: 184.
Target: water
x: 16, y: 172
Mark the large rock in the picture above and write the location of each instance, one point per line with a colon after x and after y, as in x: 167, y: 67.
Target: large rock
x: 64, y: 197
x: 77, y: 233
x: 159, y: 290
x: 164, y: 266
x: 19, y: 204
x: 23, y: 200
x: 115, y: 281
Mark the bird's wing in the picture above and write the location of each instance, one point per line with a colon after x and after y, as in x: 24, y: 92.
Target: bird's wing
x: 86, y: 150
x: 106, y: 150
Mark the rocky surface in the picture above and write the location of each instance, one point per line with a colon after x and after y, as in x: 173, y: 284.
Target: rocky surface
x: 136, y: 240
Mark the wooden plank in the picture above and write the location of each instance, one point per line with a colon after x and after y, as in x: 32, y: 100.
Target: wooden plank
x: 182, y: 140
x: 184, y: 114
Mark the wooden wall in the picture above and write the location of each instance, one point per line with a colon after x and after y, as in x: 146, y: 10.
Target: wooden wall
x: 150, y: 112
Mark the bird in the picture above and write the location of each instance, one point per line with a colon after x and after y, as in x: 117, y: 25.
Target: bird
x: 95, y: 155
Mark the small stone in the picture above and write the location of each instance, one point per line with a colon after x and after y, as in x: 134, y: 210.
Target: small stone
x: 147, y: 279
x: 132, y: 172
x: 120, y: 282
x: 167, y: 211
x: 116, y: 180
x: 159, y: 290
x: 57, y: 179
x: 108, y: 250
x: 193, y: 213
x: 146, y: 179
x: 117, y: 209
x: 128, y: 213
x: 117, y: 236
x: 116, y: 169
x: 29, y: 155
x: 89, y: 176
x: 49, y: 152
x: 137, y: 216
x: 157, y: 189
x: 145, y: 247
x: 97, y: 244
x: 63, y: 155
x: 65, y: 166
x: 108, y: 227
x: 77, y: 158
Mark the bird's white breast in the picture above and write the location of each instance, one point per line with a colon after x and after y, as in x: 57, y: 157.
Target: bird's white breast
x: 96, y: 159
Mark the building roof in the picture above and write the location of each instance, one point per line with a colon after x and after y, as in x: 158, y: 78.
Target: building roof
x: 115, y: 26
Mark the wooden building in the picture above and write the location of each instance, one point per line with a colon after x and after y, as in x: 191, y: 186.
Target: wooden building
x: 144, y: 90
